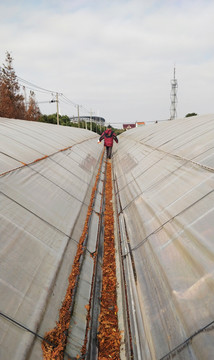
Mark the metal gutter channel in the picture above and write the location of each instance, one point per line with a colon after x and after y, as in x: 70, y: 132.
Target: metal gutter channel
x: 123, y: 321
x: 82, y: 342
x: 92, y: 345
x: 78, y: 324
x: 132, y: 315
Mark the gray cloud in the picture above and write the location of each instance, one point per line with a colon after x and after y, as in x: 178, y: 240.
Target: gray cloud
x: 115, y: 56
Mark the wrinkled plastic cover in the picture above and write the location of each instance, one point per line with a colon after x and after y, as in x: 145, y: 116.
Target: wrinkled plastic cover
x: 47, y: 172
x: 165, y: 178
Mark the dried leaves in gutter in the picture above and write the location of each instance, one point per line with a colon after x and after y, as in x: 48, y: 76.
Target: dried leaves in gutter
x: 109, y: 335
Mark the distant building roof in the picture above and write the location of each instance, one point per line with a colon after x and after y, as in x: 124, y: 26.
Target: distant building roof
x: 128, y: 126
x: 89, y: 118
x: 140, y: 123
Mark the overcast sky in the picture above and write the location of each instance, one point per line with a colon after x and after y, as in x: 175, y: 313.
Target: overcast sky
x: 114, y: 57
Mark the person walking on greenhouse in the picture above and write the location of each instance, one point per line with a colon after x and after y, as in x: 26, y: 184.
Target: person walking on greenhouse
x: 108, y: 135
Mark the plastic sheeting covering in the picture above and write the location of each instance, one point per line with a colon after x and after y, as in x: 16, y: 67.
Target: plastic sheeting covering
x: 165, y: 192
x: 47, y: 172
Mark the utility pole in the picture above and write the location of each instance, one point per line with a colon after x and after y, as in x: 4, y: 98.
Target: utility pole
x: 91, y: 120
x: 174, y: 86
x: 78, y: 114
x: 25, y: 97
x: 57, y: 108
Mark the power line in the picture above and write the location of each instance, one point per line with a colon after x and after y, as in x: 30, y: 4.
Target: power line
x: 75, y: 104
x: 35, y: 86
x: 31, y: 86
x: 69, y: 101
x: 85, y: 109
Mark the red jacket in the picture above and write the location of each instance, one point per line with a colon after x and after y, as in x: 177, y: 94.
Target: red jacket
x: 108, y: 135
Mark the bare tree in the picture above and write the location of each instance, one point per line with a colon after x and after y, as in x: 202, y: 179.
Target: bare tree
x: 11, y: 101
x: 33, y: 112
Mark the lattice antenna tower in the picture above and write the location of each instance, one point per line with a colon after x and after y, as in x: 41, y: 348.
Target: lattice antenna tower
x: 173, y: 95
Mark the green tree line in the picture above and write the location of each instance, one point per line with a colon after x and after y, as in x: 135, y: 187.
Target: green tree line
x: 64, y: 120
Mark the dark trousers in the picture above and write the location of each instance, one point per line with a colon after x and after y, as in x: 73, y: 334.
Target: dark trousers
x: 108, y: 152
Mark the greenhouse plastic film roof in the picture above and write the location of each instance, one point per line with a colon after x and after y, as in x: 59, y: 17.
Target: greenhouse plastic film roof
x: 164, y: 176
x: 164, y: 190
x: 46, y: 177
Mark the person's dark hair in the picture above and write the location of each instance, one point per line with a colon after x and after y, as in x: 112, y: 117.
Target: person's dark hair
x: 109, y: 126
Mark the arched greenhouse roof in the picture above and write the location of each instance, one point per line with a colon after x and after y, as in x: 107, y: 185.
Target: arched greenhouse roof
x: 164, y: 176
x: 47, y: 172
